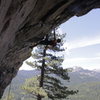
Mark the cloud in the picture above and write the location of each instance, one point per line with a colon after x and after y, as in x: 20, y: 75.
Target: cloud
x: 98, y: 54
x: 78, y: 59
x: 25, y: 67
x: 88, y: 63
x: 82, y: 43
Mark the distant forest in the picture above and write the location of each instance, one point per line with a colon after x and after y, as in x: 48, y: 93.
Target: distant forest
x: 87, y: 82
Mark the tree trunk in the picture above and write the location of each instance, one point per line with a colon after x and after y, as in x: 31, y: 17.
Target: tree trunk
x: 42, y: 72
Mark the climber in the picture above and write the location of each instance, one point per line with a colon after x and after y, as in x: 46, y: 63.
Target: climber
x: 51, y: 43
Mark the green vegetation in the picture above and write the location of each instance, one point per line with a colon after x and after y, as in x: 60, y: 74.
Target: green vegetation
x: 49, y: 82
x: 89, y: 86
x: 87, y: 91
x: 9, y: 97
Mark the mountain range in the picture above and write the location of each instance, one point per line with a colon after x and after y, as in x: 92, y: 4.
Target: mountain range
x: 86, y: 81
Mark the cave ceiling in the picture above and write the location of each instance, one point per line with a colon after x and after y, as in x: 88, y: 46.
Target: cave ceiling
x: 25, y: 22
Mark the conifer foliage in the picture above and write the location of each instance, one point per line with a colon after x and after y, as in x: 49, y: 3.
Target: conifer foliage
x: 50, y: 82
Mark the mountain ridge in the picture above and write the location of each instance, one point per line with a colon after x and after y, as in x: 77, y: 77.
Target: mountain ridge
x: 80, y: 79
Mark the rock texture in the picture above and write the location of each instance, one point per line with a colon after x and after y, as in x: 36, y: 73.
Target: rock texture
x: 24, y: 22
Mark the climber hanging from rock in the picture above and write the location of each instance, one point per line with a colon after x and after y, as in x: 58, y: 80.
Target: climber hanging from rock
x: 50, y: 43
x: 53, y: 43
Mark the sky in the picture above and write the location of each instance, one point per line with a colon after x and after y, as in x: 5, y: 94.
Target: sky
x: 82, y: 41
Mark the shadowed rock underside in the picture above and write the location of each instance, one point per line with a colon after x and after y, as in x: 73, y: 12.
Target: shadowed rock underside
x: 25, y: 22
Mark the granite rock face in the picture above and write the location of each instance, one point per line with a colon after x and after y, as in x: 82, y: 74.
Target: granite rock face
x: 25, y: 22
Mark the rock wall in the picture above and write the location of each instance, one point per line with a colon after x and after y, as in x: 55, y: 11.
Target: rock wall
x: 24, y: 22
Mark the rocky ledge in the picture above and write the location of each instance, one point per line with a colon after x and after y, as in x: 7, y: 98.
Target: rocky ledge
x: 24, y: 22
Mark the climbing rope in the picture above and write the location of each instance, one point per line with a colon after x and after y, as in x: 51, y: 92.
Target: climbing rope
x: 54, y: 34
x: 45, y: 41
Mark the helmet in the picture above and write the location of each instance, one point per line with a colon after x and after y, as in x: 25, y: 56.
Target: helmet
x: 58, y: 40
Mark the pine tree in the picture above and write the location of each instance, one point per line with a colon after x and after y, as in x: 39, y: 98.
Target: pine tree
x: 52, y: 75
